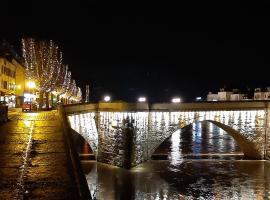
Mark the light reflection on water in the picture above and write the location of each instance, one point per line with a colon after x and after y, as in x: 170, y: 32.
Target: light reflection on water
x: 193, y: 180
x: 183, y: 175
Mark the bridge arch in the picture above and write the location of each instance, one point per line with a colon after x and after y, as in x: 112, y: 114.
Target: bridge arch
x: 83, y: 147
x: 84, y: 125
x: 251, y: 149
x: 247, y: 128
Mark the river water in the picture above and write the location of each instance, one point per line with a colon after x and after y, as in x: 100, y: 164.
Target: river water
x: 200, y: 162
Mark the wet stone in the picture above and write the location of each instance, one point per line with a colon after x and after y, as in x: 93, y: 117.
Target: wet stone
x: 13, y: 137
x: 15, y: 148
x: 49, y: 159
x: 46, y: 124
x: 12, y: 128
x: 10, y: 160
x: 49, y: 192
x: 50, y: 137
x: 7, y: 193
x: 47, y: 173
x: 49, y: 147
x: 9, y: 175
x: 47, y: 129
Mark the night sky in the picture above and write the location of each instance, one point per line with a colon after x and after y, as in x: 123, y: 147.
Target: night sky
x: 156, y: 49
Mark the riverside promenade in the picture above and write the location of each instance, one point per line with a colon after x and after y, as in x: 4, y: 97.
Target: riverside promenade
x: 36, y: 160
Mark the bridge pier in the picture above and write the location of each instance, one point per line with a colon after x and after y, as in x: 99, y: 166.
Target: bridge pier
x: 267, y: 131
x: 116, y: 143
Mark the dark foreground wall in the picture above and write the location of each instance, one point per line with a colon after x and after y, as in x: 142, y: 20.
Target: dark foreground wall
x: 79, y: 177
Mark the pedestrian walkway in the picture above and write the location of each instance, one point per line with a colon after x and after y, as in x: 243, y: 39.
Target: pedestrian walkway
x: 33, y: 159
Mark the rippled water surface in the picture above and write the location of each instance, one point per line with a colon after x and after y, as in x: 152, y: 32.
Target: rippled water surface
x: 201, y: 162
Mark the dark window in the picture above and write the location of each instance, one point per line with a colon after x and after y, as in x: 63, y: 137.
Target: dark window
x: 5, y: 84
x: 8, y: 72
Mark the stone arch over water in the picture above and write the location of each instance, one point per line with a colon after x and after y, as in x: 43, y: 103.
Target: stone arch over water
x: 246, y: 127
x: 85, y: 125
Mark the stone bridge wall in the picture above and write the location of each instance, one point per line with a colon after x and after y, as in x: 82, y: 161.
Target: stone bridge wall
x: 127, y: 134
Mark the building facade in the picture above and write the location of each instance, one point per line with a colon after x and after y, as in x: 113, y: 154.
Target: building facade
x: 212, y: 97
x: 259, y: 94
x: 224, y: 96
x: 237, y: 97
x: 12, y: 81
x: 12, y: 76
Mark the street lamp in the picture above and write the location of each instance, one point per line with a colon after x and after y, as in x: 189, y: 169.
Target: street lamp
x: 107, y: 98
x: 31, y: 84
x: 142, y: 99
x: 176, y: 100
x: 198, y: 98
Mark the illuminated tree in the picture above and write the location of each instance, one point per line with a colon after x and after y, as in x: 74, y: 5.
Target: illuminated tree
x: 72, y: 89
x: 63, y: 81
x: 79, y: 94
x: 43, y: 62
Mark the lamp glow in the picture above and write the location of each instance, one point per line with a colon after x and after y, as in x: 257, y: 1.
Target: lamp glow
x: 31, y: 84
x: 107, y: 98
x: 198, y: 98
x: 176, y: 100
x: 19, y: 86
x: 142, y: 99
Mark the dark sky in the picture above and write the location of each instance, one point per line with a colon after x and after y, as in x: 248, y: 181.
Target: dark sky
x: 155, y: 49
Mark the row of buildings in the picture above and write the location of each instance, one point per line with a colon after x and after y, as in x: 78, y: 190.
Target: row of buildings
x: 236, y: 95
x: 14, y: 89
x: 12, y: 76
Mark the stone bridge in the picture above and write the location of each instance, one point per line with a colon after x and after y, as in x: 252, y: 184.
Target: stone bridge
x: 126, y: 134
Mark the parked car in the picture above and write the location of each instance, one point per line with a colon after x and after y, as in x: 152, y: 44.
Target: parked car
x: 4, y: 103
x: 29, y: 106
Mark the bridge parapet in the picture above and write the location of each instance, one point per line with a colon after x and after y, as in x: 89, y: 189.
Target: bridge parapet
x: 140, y: 107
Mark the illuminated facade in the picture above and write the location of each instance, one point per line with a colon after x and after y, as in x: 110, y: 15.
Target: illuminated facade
x: 259, y: 94
x: 234, y: 95
x: 12, y: 77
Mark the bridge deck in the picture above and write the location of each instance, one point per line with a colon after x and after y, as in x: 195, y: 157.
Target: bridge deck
x: 137, y: 107
x: 34, y: 161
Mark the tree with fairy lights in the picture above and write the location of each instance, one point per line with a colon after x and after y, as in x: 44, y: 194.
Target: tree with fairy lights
x: 79, y: 94
x: 44, y: 66
x: 63, y: 82
x: 72, y: 90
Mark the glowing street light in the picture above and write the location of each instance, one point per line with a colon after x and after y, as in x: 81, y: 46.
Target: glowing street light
x: 198, y: 98
x: 176, y: 100
x: 142, y: 99
x: 31, y: 84
x: 107, y: 98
